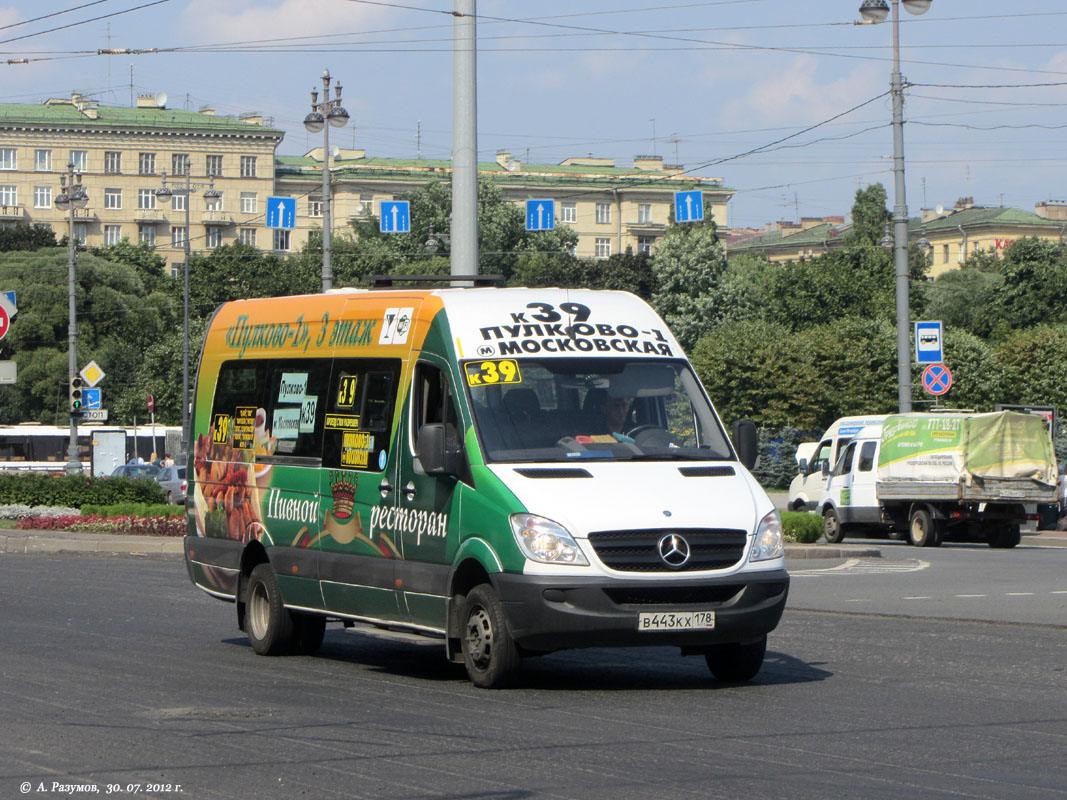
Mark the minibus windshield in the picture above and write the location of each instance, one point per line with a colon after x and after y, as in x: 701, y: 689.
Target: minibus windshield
x: 572, y: 409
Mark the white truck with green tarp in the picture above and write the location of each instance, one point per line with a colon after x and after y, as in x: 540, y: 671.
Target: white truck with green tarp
x: 946, y: 475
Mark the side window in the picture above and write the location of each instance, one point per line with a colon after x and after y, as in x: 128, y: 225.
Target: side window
x: 362, y: 397
x: 867, y: 456
x: 271, y: 407
x: 824, y: 457
x: 844, y: 466
x: 432, y: 400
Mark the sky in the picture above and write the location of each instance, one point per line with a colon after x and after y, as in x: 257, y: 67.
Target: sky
x: 786, y: 101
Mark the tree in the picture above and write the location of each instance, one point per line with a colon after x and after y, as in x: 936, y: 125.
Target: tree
x: 1034, y: 363
x: 238, y: 271
x: 687, y: 267
x: 966, y: 299
x: 1035, y: 283
x: 869, y: 216
x: 26, y: 237
x: 627, y: 272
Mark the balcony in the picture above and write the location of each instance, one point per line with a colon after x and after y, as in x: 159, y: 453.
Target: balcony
x: 148, y: 215
x: 217, y: 218
x: 12, y: 212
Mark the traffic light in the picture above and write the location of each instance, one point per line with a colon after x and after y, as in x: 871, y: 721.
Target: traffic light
x: 76, y: 384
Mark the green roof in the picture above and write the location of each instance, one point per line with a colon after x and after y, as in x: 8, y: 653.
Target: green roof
x: 418, y: 169
x: 119, y: 116
x: 970, y: 217
x: 817, y: 234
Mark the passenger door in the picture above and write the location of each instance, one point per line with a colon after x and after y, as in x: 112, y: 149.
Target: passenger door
x: 426, y: 507
x: 839, y: 484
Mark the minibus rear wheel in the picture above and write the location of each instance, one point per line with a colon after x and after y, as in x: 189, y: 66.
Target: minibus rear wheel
x: 735, y: 662
x: 489, y: 652
x: 269, y: 623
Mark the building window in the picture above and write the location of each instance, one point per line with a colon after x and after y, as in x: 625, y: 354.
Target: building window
x: 644, y: 212
x: 314, y: 206
x: 178, y: 201
x: 9, y: 158
x: 248, y: 166
x: 80, y: 160
x: 146, y: 163
x: 42, y: 160
x: 214, y: 237
x: 9, y: 194
x: 213, y: 203
x: 147, y: 235
x: 944, y: 253
x: 81, y: 230
x: 281, y: 239
x: 42, y: 196
x: 644, y: 244
x: 113, y: 198
x: 366, y: 205
x: 112, y: 234
x: 146, y: 198
x: 213, y: 166
x: 603, y: 213
x: 249, y: 202
x: 179, y: 164
x: 177, y: 236
x: 112, y: 162
x: 603, y: 247
x: 247, y: 236
x: 568, y: 212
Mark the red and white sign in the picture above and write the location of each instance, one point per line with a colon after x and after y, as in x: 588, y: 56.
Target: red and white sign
x: 937, y: 379
x: 151, y: 403
x: 5, y: 322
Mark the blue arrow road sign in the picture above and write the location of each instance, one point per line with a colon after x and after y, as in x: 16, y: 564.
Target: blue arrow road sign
x: 540, y: 215
x: 396, y: 216
x: 281, y: 212
x: 90, y: 398
x: 689, y: 206
x: 928, y: 343
x: 11, y: 298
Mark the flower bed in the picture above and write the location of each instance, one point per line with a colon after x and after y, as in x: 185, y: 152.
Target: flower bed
x: 95, y: 523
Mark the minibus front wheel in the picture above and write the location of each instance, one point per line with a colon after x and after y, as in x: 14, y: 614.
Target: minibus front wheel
x: 736, y: 662
x: 489, y: 653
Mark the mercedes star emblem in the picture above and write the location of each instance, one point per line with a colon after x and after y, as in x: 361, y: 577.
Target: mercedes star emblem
x: 674, y: 550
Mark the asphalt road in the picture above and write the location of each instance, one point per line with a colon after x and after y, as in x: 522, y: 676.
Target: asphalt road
x: 115, y: 671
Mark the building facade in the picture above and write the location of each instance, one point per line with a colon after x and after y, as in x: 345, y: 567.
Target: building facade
x: 122, y: 155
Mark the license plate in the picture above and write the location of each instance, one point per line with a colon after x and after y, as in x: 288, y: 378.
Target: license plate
x: 676, y: 621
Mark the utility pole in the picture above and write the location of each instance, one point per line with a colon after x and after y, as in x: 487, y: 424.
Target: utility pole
x: 464, y: 228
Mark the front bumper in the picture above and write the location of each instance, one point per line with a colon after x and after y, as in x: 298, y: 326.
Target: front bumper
x: 552, y: 613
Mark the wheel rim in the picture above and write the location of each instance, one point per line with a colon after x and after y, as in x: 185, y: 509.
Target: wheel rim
x: 831, y: 527
x: 479, y: 637
x: 259, y: 611
x: 919, y: 530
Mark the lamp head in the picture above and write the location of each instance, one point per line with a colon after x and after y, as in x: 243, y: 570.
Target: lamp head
x: 875, y: 11
x: 314, y: 122
x: 62, y: 201
x: 337, y: 117
x: 917, y: 7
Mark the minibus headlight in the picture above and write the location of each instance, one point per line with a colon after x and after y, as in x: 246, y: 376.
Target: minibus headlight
x: 545, y: 541
x: 769, y: 542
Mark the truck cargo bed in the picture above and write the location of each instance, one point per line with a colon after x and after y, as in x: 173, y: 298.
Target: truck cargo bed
x: 981, y: 490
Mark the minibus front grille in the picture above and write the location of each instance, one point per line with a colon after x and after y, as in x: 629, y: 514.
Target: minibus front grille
x: 706, y: 472
x: 639, y: 550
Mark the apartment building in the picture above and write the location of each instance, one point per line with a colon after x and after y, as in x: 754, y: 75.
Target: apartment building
x: 124, y: 155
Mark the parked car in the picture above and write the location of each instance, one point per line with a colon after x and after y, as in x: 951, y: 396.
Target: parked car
x: 172, y: 479
x: 136, y: 471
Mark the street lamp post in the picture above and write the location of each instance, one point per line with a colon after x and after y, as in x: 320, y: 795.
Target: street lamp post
x: 876, y: 11
x: 71, y: 197
x: 323, y: 115
x: 164, y: 194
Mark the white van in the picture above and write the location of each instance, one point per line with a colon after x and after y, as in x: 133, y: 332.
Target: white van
x: 510, y: 471
x: 814, y: 457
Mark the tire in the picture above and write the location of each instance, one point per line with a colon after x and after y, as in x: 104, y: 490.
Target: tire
x: 269, y: 624
x: 308, y: 630
x: 833, y: 530
x: 1005, y: 537
x: 923, y: 530
x: 736, y: 663
x: 489, y: 652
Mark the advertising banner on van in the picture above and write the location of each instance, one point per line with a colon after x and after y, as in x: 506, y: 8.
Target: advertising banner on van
x: 921, y: 447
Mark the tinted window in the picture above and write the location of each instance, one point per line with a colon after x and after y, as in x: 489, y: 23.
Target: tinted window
x: 867, y: 456
x: 844, y: 466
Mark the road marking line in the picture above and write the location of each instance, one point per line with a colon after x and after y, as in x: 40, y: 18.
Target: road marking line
x: 972, y: 595
x: 919, y: 597
x: 1019, y: 594
x: 1058, y: 591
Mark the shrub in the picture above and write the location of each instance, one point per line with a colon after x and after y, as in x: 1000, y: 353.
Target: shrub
x: 140, y: 526
x: 18, y: 511
x: 133, y: 510
x: 41, y: 489
x: 801, y: 526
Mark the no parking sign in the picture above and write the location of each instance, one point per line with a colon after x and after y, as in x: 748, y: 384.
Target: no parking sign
x: 937, y: 379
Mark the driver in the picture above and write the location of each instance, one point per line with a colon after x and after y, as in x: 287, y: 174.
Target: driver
x: 606, y: 414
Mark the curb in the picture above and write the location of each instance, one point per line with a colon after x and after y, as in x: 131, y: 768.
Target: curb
x: 107, y: 543
x: 804, y: 551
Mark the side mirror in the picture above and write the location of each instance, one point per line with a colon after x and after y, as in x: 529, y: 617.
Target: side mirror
x: 744, y: 436
x: 825, y: 468
x: 437, y: 449
x: 803, y: 466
